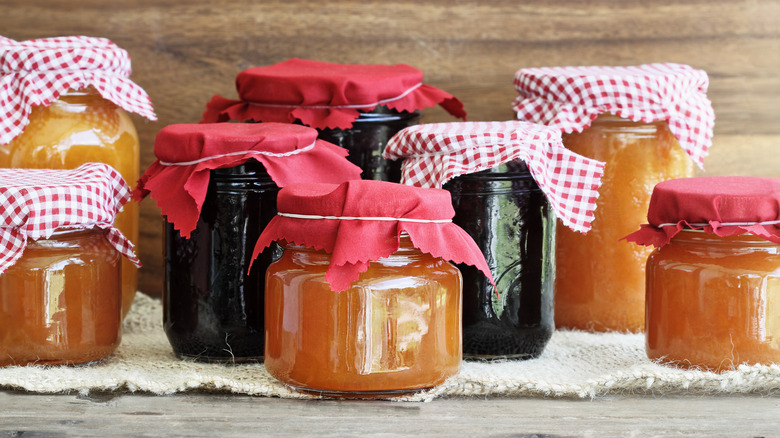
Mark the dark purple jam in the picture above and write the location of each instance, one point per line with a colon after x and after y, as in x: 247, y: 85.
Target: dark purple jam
x: 368, y: 137
x: 509, y: 217
x: 213, y: 310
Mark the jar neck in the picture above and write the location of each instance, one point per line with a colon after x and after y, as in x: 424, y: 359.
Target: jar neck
x: 609, y: 120
x: 699, y: 237
x: 83, y: 96
x: 383, y: 114
x: 405, y: 250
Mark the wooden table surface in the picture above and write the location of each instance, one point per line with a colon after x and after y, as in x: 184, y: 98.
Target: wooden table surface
x: 25, y: 415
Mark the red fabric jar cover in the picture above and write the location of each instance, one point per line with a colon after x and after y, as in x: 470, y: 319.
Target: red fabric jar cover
x: 571, y: 97
x: 436, y: 153
x: 36, y: 202
x: 326, y: 95
x: 724, y: 206
x: 36, y: 72
x: 186, y: 153
x: 360, y: 221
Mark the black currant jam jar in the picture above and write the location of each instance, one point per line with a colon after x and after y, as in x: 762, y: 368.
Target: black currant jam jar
x: 367, y: 138
x: 507, y: 214
x: 213, y: 310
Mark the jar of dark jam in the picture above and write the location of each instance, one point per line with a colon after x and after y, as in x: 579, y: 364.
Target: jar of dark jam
x: 507, y: 214
x: 367, y: 138
x: 213, y: 310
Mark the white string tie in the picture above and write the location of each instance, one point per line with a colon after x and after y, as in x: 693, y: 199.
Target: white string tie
x: 267, y: 154
x: 366, y: 218
x: 725, y: 224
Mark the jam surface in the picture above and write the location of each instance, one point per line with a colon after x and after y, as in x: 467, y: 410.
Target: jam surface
x: 600, y: 279
x: 397, y: 329
x: 61, y: 302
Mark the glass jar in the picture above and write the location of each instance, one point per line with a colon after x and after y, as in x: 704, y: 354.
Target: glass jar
x: 213, y: 310
x: 506, y: 213
x: 600, y: 280
x: 367, y: 138
x: 396, y: 330
x: 61, y: 302
x: 82, y: 127
x: 714, y: 302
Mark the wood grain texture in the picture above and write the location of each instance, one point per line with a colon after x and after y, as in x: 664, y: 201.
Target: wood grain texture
x: 183, y: 52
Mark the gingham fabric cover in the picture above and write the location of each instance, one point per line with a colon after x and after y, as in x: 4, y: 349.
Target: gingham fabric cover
x: 36, y: 202
x: 435, y: 153
x: 569, y: 98
x: 36, y: 72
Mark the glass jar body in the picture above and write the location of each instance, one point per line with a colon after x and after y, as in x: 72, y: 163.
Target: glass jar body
x: 82, y: 127
x: 600, y: 279
x: 367, y: 138
x: 61, y: 302
x: 714, y: 302
x: 510, y: 219
x: 212, y: 309
x: 396, y: 330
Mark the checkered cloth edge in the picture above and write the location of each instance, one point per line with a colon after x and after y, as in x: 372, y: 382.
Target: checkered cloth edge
x: 36, y: 72
x: 36, y: 202
x: 435, y: 153
x: 571, y: 97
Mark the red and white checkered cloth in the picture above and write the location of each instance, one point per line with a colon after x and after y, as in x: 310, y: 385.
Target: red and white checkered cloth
x: 435, y: 153
x: 569, y: 98
x: 36, y: 202
x: 36, y: 72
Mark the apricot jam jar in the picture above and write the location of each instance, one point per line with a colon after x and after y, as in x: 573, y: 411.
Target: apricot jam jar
x: 648, y: 123
x: 86, y: 119
x: 61, y: 286
x: 359, y: 306
x: 713, y: 283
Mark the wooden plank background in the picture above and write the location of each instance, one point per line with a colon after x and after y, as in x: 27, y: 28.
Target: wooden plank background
x: 184, y: 51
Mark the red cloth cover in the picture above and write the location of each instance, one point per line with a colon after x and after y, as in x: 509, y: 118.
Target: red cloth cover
x: 36, y: 72
x: 34, y: 203
x: 326, y: 95
x: 383, y: 210
x: 724, y: 206
x: 186, y: 153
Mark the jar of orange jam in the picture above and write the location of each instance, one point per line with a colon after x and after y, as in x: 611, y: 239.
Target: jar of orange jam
x: 60, y: 270
x: 372, y: 316
x: 84, y: 119
x: 713, y: 283
x: 646, y: 123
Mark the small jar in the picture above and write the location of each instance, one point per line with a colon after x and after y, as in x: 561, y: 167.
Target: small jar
x: 81, y: 125
x: 589, y: 294
x: 648, y: 123
x: 367, y: 138
x: 356, y: 106
x: 714, y: 302
x: 212, y: 308
x: 62, y: 300
x: 395, y: 330
x: 509, y: 217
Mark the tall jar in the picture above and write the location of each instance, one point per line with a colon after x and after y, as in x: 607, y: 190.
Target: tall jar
x: 77, y: 94
x: 212, y: 308
x: 713, y: 281
x: 359, y: 305
x: 216, y: 184
x: 648, y: 123
x: 60, y: 270
x: 355, y: 106
x: 395, y: 330
x: 508, y: 215
x: 508, y: 182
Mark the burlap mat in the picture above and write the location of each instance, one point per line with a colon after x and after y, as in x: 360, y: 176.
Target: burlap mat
x: 574, y: 364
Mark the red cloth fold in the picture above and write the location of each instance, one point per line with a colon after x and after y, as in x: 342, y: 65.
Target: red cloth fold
x: 186, y: 153
x: 724, y: 206
x: 326, y: 95
x: 353, y: 243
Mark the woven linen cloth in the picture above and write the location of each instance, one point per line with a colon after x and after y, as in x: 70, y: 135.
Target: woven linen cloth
x: 37, y: 72
x: 574, y: 365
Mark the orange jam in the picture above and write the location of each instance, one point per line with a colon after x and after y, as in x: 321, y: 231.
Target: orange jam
x: 396, y: 330
x: 714, y: 302
x: 600, y: 280
x: 60, y: 303
x: 82, y: 127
